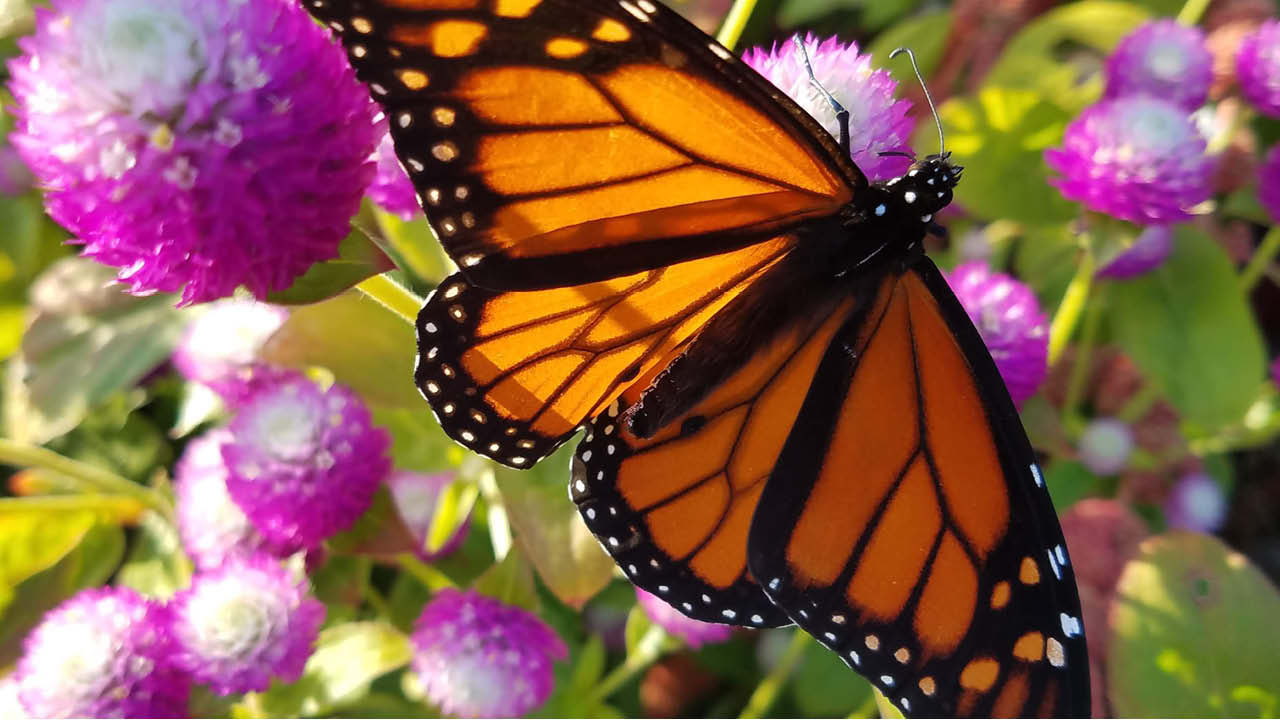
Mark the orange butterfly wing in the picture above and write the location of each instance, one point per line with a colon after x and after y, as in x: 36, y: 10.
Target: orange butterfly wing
x: 511, y: 375
x: 909, y: 529
x: 562, y: 142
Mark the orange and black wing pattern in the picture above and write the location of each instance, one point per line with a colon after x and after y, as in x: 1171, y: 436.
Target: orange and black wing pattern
x: 908, y: 526
x: 511, y: 375
x: 564, y: 142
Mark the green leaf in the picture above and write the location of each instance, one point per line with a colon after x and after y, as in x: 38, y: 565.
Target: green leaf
x: 1188, y: 326
x: 926, y: 35
x: 999, y: 135
x: 417, y: 442
x: 870, y: 15
x: 359, y: 258
x: 548, y: 528
x: 364, y: 345
x: 510, y: 581
x: 89, y: 564
x: 1193, y: 633
x: 1070, y: 482
x: 415, y: 247
x: 348, y: 657
x: 87, y: 340
x: 31, y: 542
x: 1045, y: 56
x: 588, y: 668
x: 823, y: 686
x: 156, y: 565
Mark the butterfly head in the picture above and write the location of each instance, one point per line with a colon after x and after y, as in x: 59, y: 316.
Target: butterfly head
x: 927, y: 186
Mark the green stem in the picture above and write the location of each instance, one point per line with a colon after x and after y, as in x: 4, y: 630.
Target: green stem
x: 645, y: 653
x: 1072, y: 306
x: 90, y: 476
x: 766, y: 693
x: 432, y: 578
x: 867, y: 708
x: 735, y: 22
x: 118, y: 507
x: 1140, y: 404
x: 392, y: 296
x: 1261, y: 259
x: 1192, y: 11
x: 1079, y: 376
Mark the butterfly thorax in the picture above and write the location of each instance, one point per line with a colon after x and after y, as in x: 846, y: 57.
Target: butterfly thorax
x: 901, y: 210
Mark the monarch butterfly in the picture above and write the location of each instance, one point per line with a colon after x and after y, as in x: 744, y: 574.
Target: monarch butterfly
x: 789, y: 417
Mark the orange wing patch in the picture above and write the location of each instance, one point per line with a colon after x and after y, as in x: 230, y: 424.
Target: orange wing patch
x: 511, y: 375
x: 675, y: 509
x: 614, y: 146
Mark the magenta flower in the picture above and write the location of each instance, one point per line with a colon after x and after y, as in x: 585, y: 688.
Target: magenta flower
x: 1164, y: 59
x: 391, y: 188
x: 1008, y: 317
x: 1269, y: 183
x: 244, y: 623
x: 106, y: 652
x: 1137, y: 158
x: 1258, y: 68
x: 224, y: 340
x: 1105, y: 446
x: 877, y: 122
x: 1197, y: 503
x: 477, y: 657
x: 197, y: 146
x: 695, y: 633
x: 1148, y: 252
x: 416, y: 497
x: 211, y: 525
x: 303, y: 463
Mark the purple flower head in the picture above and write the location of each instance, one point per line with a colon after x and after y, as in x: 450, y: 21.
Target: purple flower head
x: 1008, y: 317
x: 223, y: 340
x: 1165, y: 59
x: 106, y: 652
x: 877, y: 122
x: 211, y: 525
x: 416, y: 496
x: 1105, y: 446
x: 1148, y: 252
x: 1269, y: 183
x: 1258, y: 67
x: 243, y: 623
x: 391, y: 188
x: 1137, y: 158
x: 303, y: 463
x: 196, y: 146
x: 695, y: 633
x: 477, y: 657
x: 1196, y: 502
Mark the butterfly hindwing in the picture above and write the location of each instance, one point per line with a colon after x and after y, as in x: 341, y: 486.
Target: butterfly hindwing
x: 561, y: 142
x: 674, y: 508
x: 511, y: 375
x: 909, y: 529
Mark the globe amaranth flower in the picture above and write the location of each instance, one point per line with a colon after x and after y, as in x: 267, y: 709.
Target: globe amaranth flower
x: 477, y: 657
x: 303, y: 462
x: 416, y: 497
x: 1148, y: 252
x: 106, y: 652
x: 1105, y: 445
x: 1162, y: 58
x: 196, y: 146
x: 877, y: 122
x: 391, y: 188
x: 223, y: 340
x: 1269, y: 183
x: 695, y: 633
x: 1008, y: 317
x: 1137, y: 158
x: 1258, y: 68
x: 1196, y: 502
x: 211, y: 525
x: 243, y: 623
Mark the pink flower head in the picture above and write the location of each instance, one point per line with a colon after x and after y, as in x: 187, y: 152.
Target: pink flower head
x: 1162, y: 58
x: 1008, y: 317
x: 695, y: 633
x: 1258, y: 68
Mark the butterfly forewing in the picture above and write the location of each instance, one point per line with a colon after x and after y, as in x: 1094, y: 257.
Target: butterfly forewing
x: 560, y: 142
x: 909, y: 529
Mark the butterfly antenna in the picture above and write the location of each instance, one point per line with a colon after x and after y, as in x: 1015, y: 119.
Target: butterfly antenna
x: 842, y: 115
x: 942, y: 145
